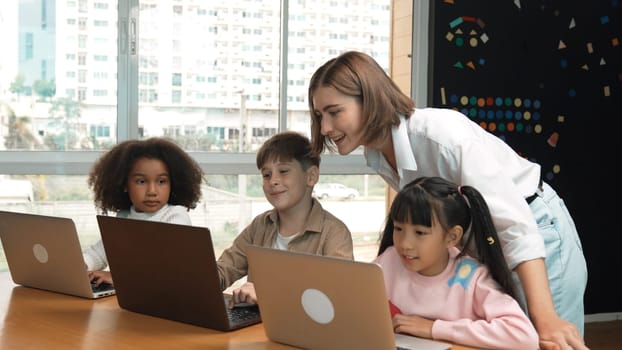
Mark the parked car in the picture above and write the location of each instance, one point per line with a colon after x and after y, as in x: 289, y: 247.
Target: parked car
x: 334, y: 190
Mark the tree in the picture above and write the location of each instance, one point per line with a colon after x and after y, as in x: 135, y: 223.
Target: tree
x: 18, y: 86
x: 65, y: 119
x: 44, y: 88
x: 197, y: 142
x: 20, y: 134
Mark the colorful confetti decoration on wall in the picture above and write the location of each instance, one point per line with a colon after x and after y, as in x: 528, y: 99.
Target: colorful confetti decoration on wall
x: 521, y: 68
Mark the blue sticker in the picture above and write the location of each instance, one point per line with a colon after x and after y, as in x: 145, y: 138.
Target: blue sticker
x: 463, y: 273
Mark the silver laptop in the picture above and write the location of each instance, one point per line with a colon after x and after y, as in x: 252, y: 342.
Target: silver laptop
x: 44, y: 252
x: 169, y: 271
x: 319, y: 302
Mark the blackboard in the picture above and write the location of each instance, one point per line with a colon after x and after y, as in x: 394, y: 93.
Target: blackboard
x: 546, y: 77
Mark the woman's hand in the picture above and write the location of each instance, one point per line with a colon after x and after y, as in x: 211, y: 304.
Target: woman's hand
x: 554, y: 332
x: 558, y: 334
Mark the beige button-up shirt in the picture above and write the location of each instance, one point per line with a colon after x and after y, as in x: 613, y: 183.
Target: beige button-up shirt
x: 323, y: 234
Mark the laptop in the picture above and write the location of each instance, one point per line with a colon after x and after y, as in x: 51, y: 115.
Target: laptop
x: 319, y: 302
x: 169, y: 271
x: 44, y: 252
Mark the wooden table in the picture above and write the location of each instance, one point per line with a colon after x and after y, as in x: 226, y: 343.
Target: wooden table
x: 36, y: 319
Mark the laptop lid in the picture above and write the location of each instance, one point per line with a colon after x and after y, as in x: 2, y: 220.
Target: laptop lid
x: 319, y: 302
x: 44, y: 252
x: 169, y: 271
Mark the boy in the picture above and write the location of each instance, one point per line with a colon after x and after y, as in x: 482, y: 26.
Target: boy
x: 296, y: 223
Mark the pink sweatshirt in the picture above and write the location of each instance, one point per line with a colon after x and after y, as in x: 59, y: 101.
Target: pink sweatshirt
x: 466, y: 303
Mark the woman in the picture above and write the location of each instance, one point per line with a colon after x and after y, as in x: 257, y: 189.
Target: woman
x: 354, y: 103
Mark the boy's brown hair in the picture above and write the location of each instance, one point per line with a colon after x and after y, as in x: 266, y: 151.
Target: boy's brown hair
x: 285, y: 146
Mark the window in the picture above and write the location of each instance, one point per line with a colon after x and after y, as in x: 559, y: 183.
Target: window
x: 44, y: 15
x: 216, y: 132
x: 28, y: 46
x: 100, y: 5
x: 82, y: 41
x: 82, y: 6
x: 176, y: 97
x: 190, y: 130
x: 44, y: 69
x: 176, y: 79
x: 220, y: 93
x: 100, y: 75
x: 81, y: 76
x: 81, y: 94
x: 100, y: 131
x: 264, y: 132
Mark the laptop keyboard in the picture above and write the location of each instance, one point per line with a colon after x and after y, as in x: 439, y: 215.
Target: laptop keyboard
x: 101, y: 288
x: 245, y: 314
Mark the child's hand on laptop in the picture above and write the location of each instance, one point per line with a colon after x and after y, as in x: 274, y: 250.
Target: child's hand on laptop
x: 243, y: 295
x: 99, y: 277
x: 413, y: 325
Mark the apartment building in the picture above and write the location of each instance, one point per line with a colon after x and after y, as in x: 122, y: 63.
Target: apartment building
x: 210, y: 71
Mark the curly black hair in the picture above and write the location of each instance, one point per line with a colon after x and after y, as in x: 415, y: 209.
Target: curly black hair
x: 109, y: 175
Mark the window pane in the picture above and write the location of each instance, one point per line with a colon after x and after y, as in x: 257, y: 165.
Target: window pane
x: 66, y: 196
x: 57, y: 75
x: 208, y: 76
x: 319, y: 31
x: 222, y: 208
x: 209, y: 73
x: 228, y: 77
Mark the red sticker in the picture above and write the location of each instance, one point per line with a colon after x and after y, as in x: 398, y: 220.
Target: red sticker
x: 394, y: 309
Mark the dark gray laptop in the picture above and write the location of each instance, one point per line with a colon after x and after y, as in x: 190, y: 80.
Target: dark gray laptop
x: 319, y: 302
x: 169, y: 271
x: 44, y: 252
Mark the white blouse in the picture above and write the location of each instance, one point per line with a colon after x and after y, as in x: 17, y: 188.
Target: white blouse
x: 445, y: 143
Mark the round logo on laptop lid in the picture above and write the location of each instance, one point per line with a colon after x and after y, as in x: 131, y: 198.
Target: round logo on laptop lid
x: 41, y: 254
x: 318, y: 306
